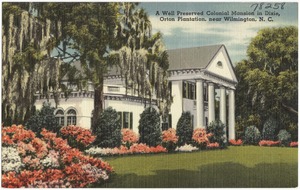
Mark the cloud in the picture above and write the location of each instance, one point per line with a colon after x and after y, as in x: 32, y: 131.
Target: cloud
x: 236, y: 35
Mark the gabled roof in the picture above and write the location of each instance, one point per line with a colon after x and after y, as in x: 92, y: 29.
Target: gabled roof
x: 192, y: 58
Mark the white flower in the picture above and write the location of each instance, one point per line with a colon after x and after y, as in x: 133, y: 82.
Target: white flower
x: 51, y: 160
x: 186, y: 148
x: 101, y: 151
x: 11, y: 161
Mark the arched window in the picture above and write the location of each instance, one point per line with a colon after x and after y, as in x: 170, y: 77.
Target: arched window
x: 71, y: 117
x: 60, y: 118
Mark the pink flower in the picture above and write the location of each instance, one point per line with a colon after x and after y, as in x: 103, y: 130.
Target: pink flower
x: 268, y: 143
x: 213, y: 145
x: 200, y: 136
x: 169, y: 136
x: 236, y: 142
x: 294, y: 144
x: 129, y: 136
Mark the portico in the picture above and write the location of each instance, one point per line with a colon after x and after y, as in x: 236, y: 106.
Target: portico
x: 209, y: 72
x: 223, y: 91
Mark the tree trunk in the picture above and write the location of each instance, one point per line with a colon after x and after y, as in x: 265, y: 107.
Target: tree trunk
x: 98, y: 101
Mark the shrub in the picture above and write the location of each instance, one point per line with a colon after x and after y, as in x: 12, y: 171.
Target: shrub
x: 129, y: 137
x: 184, y: 129
x: 77, y: 137
x: 149, y: 127
x: 284, y: 137
x: 201, y: 138
x: 294, y: 144
x: 238, y: 142
x: 269, y: 130
x: 268, y: 143
x: 252, y: 135
x: 217, y: 129
x: 293, y: 130
x: 108, y: 129
x: 43, y: 118
x: 47, y: 161
x: 169, y: 139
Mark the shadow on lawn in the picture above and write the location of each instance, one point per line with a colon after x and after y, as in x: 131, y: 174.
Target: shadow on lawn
x: 226, y: 174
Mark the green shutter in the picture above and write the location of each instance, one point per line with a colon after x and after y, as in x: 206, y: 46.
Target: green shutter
x: 130, y: 120
x: 170, y: 120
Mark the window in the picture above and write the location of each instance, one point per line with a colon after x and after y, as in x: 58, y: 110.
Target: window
x: 189, y: 90
x: 71, y: 117
x: 167, y: 123
x: 219, y: 64
x: 60, y: 118
x: 126, y: 119
x: 205, y: 94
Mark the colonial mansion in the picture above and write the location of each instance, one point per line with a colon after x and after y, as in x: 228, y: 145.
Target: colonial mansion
x: 200, y: 77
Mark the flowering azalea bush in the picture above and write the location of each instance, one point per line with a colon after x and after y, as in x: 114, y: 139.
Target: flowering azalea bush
x: 48, y: 161
x: 238, y: 142
x: 213, y: 145
x: 77, y: 137
x: 268, y: 143
x: 186, y: 148
x: 134, y: 149
x: 11, y: 161
x: 294, y: 144
x: 129, y: 137
x: 201, y: 138
x: 169, y: 139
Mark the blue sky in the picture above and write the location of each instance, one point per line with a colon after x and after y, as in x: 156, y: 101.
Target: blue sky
x: 236, y: 36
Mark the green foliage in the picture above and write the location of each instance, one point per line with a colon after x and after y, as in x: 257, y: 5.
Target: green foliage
x: 217, y: 128
x: 184, y: 128
x: 268, y: 84
x: 252, y: 135
x: 270, y: 130
x: 149, y: 127
x: 43, y: 118
x: 293, y: 130
x: 284, y: 137
x: 108, y: 129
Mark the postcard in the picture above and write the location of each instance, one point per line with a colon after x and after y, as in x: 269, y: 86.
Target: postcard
x: 149, y: 94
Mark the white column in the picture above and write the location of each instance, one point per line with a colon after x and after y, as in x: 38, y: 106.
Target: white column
x: 211, y: 102
x: 231, y: 118
x: 223, y: 107
x: 223, y: 104
x: 199, y: 104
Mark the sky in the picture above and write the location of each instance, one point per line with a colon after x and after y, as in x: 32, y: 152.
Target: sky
x: 235, y: 35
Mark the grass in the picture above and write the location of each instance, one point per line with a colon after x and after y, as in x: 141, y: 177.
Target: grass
x: 246, y: 166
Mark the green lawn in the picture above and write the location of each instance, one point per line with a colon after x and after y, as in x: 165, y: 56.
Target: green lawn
x: 246, y: 166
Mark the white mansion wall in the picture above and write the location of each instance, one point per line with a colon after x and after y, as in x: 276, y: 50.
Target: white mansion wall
x: 176, y: 107
x: 126, y: 106
x: 82, y: 106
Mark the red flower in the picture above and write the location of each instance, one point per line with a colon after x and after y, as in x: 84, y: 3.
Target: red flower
x: 294, y: 144
x: 81, y: 135
x: 268, y: 143
x: 236, y: 142
x: 10, y: 180
x: 213, y: 145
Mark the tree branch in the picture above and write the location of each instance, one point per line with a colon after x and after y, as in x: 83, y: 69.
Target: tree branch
x: 290, y: 109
